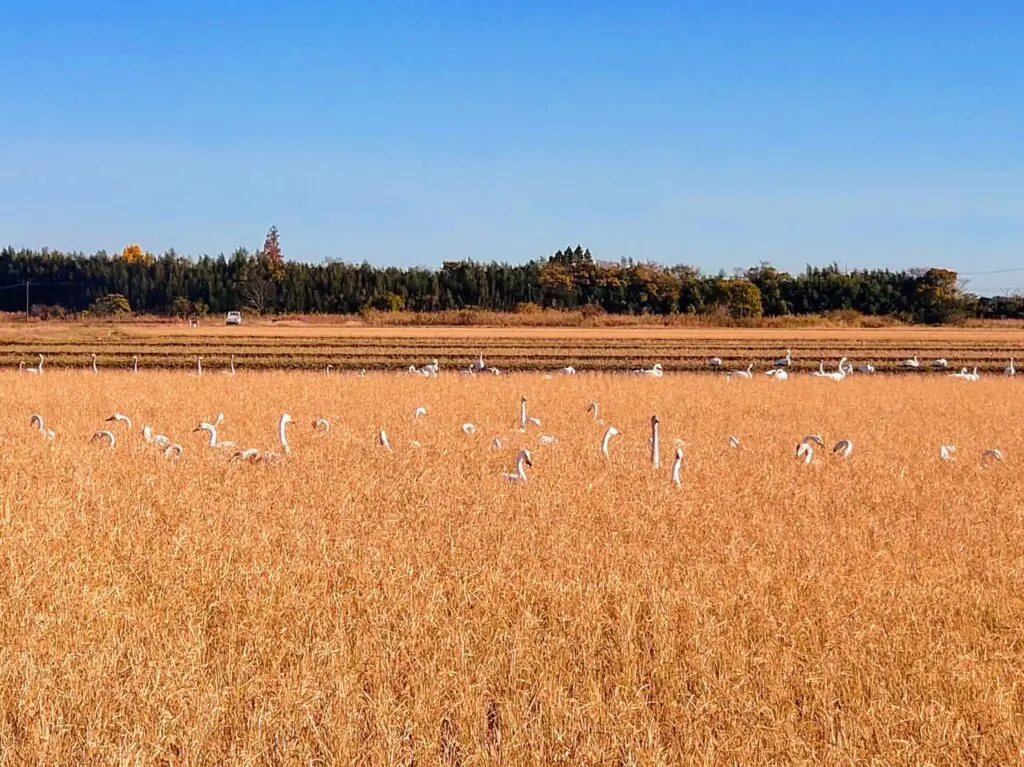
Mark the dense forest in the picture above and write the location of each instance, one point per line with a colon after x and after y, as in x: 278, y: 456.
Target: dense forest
x: 264, y: 282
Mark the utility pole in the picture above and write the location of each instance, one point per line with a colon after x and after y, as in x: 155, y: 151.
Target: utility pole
x: 26, y: 299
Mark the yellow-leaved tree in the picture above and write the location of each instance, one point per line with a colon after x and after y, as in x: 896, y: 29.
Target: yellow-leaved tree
x: 135, y: 254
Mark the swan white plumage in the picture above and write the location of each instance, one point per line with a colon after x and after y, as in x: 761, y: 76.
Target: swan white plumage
x: 199, y: 365
x: 419, y: 412
x: 786, y: 361
x: 734, y: 442
x: 940, y: 363
x: 469, y: 428
x: 522, y: 413
x: 1010, y: 371
x: 655, y: 446
x: 992, y: 454
x: 715, y: 362
x: 94, y: 368
x: 804, y: 452
x: 568, y: 370
x: 254, y: 455
x: 594, y: 408
x: 748, y: 373
x: 104, y: 434
x: 231, y: 366
x: 655, y: 371
x: 173, y: 449
x: 946, y: 452
x: 839, y: 374
x: 844, y: 448
x: 912, y: 364
x: 160, y: 440
x: 523, y: 460
x: 547, y: 439
x: 119, y: 418
x: 866, y: 368
x: 37, y: 421
x: 382, y: 440
x: 779, y: 374
x: 328, y: 369
x: 135, y: 364
x: 321, y: 424
x: 210, y: 429
x: 815, y: 438
x: 494, y: 371
x: 38, y: 369
x: 677, y: 465
x: 609, y: 433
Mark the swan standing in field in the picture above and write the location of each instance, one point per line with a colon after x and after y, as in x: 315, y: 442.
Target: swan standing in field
x: 946, y: 452
x: 747, y: 374
x: 655, y: 446
x: 199, y: 365
x: 786, y: 361
x: 135, y: 364
x: 912, y: 364
x: 779, y: 374
x: 94, y: 368
x: 38, y: 370
x: 231, y: 366
x: 328, y: 369
x: 568, y: 370
x: 677, y: 465
x: 173, y: 450
x: 594, y: 408
x: 804, y: 452
x: 840, y: 374
x: 940, y: 364
x: 611, y: 432
x: 210, y: 429
x: 252, y: 454
x: 469, y: 428
x: 37, y: 421
x: 104, y: 434
x: 480, y: 364
x: 160, y: 440
x: 524, y: 420
x: 843, y: 448
x: 715, y: 362
x: 321, y: 424
x: 523, y: 460
x: 973, y: 376
x: 1010, y: 371
x: 119, y: 418
x: 990, y: 455
x: 382, y: 439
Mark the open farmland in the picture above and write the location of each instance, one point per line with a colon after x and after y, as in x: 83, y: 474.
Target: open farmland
x: 350, y: 604
x: 312, y: 347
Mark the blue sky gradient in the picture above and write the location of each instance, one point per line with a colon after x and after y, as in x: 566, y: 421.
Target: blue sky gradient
x: 715, y: 134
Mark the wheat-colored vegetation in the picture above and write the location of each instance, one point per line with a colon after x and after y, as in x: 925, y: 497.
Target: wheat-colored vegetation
x: 355, y: 606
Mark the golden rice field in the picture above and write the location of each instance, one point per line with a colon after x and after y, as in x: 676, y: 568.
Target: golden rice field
x: 350, y: 605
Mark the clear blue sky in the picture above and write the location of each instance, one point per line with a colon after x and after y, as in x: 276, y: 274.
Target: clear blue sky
x: 719, y: 134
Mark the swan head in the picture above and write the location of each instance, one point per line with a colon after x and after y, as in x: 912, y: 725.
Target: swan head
x: 655, y: 420
x: 286, y: 419
x: 525, y: 457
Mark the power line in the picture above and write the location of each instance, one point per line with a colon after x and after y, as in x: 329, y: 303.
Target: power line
x: 993, y: 271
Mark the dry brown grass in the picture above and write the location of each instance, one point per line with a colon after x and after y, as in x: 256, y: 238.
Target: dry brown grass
x: 355, y: 606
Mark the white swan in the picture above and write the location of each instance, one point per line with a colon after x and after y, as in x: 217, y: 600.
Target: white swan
x: 820, y: 372
x: 103, y: 434
x: 962, y: 374
x: 912, y: 364
x: 611, y: 432
x: 523, y: 460
x: 219, y: 419
x: 522, y: 413
x: 119, y: 418
x: 786, y: 361
x: 946, y: 452
x: 496, y: 444
x: 254, y: 455
x: 779, y: 374
x: 839, y: 374
x: 480, y: 364
x: 494, y: 371
x: 940, y: 363
x: 653, y: 372
x: 677, y: 465
x: 1010, y: 371
x: 37, y: 421
x: 568, y: 370
x: 804, y: 452
x: 973, y: 376
x: 419, y: 412
x: 199, y: 365
x: 231, y: 366
x: 382, y: 440
x: 866, y: 368
x: 160, y: 440
x: 469, y: 428
x: 328, y: 369
x: 594, y: 408
x: 815, y: 438
x: 748, y: 373
x: 715, y: 362
x: 38, y: 369
x: 135, y: 364
x: 992, y: 454
x: 94, y: 368
x: 844, y: 448
x: 210, y: 429
x: 655, y: 446
x: 547, y: 439
x: 173, y: 450
x: 321, y: 424
x: 734, y: 442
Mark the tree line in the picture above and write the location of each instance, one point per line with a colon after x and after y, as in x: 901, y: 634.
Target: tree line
x: 264, y: 282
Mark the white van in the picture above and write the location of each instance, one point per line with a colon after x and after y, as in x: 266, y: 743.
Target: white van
x: 233, y: 318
